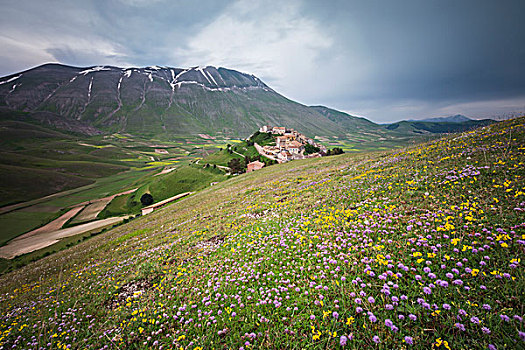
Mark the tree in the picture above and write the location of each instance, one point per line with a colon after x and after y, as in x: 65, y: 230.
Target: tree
x: 236, y: 166
x: 335, y: 151
x: 146, y: 199
x: 309, y: 149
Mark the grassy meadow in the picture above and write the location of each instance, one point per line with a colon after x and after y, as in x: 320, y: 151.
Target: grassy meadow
x: 416, y: 248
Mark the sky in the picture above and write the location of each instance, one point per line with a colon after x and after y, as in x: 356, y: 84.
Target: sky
x: 384, y: 60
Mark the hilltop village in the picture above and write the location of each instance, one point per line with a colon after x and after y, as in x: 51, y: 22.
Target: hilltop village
x: 289, y: 145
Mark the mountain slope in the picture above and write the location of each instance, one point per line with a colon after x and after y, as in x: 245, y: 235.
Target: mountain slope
x: 156, y: 100
x: 414, y: 249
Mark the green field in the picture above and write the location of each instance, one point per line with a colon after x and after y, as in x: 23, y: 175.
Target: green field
x: 220, y: 157
x: 184, y: 179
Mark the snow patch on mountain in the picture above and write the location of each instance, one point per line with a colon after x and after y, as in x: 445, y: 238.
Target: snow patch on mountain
x: 94, y: 69
x: 89, y: 89
x: 10, y: 80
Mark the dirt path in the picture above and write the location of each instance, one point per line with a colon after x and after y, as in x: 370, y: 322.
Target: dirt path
x: 23, y: 245
x: 53, y: 225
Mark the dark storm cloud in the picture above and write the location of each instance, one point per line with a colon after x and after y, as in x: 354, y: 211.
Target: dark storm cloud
x: 386, y: 60
x: 431, y: 50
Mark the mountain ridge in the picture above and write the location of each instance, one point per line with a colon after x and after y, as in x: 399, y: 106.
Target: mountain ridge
x: 157, y: 99
x: 457, y: 118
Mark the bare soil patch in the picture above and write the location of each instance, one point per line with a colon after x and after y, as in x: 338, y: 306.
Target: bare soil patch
x: 23, y: 245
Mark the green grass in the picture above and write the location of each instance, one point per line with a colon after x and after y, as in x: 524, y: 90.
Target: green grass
x: 220, y: 157
x: 21, y: 184
x: 17, y: 222
x: 118, y: 206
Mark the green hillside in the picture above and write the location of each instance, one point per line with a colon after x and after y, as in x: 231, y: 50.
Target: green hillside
x: 415, y: 248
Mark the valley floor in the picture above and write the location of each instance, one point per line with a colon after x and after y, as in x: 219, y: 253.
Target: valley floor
x: 418, y: 248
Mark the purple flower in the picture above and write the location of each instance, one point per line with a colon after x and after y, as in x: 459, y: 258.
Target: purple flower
x: 357, y: 301
x: 358, y: 309
x: 412, y: 317
x: 459, y: 326
x: 492, y: 347
x: 388, y: 323
x: 335, y: 315
x: 446, y: 306
x: 343, y: 340
x: 504, y: 318
x: 522, y: 335
x: 427, y: 290
x: 312, y: 317
x: 372, y: 318
x: 409, y: 340
x: 486, y: 307
x: 371, y: 300
x: 474, y: 320
x: 485, y: 330
x: 376, y: 339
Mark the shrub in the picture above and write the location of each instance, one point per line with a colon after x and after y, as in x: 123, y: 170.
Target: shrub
x: 146, y: 199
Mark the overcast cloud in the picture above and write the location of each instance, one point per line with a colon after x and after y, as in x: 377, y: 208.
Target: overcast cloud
x: 385, y: 60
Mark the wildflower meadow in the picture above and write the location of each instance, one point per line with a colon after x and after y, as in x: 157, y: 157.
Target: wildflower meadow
x: 420, y: 248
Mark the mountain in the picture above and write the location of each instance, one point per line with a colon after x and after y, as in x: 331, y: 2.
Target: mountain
x: 423, y: 127
x: 162, y: 101
x: 458, y: 118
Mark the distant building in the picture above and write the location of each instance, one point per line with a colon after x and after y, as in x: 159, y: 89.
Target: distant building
x: 295, y: 147
x: 289, y: 145
x: 279, y: 130
x: 256, y: 165
x: 284, y: 156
